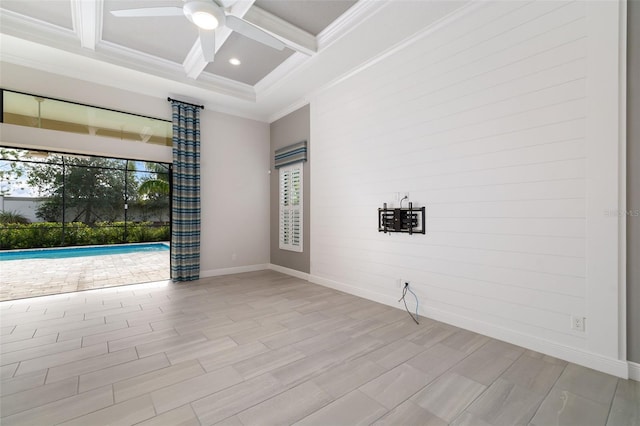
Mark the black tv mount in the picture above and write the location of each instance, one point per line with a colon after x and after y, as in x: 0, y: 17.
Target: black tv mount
x: 408, y: 220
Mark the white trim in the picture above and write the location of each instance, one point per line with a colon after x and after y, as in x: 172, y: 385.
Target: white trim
x: 131, y: 59
x: 289, y: 210
x: 276, y: 77
x: 126, y: 57
x: 289, y: 271
x: 428, y: 30
x: 634, y: 371
x: 194, y: 62
x: 622, y: 182
x: 87, y: 20
x: 22, y: 52
x: 226, y: 86
x: 293, y: 37
x: 38, y: 31
x: 356, y: 291
x: 588, y: 359
x: 352, y: 16
x: 234, y: 270
x: 288, y: 110
x: 355, y: 15
x: 603, y: 145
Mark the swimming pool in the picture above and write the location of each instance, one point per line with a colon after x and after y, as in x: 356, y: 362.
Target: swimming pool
x: 59, y: 253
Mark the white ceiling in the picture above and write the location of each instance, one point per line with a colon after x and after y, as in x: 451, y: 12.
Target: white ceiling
x: 325, y: 39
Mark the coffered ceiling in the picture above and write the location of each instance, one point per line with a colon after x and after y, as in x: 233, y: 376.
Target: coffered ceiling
x: 172, y: 38
x: 323, y: 39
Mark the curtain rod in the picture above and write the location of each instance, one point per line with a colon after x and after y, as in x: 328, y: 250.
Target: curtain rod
x: 187, y: 103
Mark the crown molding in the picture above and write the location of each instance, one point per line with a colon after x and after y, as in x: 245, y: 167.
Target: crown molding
x: 278, y: 76
x: 134, y: 59
x: 288, y: 110
x: 31, y: 29
x: 140, y: 61
x: 355, y: 15
x: 425, y: 32
x: 213, y: 100
x: 227, y: 86
x: 333, y: 35
x: 269, y: 99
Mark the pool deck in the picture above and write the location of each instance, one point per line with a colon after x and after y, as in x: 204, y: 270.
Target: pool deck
x: 38, y: 277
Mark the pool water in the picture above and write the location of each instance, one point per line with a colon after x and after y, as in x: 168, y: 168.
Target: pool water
x: 59, y: 253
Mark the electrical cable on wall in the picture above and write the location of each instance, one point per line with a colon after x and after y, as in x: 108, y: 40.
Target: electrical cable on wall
x: 403, y: 299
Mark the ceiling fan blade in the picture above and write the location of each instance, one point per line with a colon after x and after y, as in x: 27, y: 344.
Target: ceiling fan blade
x: 247, y: 29
x: 208, y: 44
x: 148, y: 11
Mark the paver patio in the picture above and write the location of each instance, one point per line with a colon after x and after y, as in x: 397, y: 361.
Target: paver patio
x: 38, y: 277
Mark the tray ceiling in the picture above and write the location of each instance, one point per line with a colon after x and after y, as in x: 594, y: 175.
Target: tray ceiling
x: 326, y: 41
x: 147, y: 42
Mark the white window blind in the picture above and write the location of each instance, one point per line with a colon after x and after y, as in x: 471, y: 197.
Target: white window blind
x: 291, y: 207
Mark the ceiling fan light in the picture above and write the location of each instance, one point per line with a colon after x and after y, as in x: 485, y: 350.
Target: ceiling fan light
x: 204, y: 14
x: 205, y: 20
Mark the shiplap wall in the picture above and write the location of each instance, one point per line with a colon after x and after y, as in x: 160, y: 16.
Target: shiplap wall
x: 484, y: 122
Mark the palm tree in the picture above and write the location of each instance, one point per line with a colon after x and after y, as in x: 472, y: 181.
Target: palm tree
x: 156, y: 187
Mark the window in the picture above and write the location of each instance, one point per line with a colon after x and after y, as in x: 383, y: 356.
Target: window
x: 73, y: 200
x: 291, y: 207
x: 37, y: 111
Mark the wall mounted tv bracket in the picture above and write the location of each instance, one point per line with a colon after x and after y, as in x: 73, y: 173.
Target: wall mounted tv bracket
x: 408, y: 220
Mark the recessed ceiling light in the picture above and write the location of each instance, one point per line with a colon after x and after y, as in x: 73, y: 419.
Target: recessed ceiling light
x: 234, y: 61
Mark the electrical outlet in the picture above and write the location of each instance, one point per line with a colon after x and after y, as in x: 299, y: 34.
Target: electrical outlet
x: 399, y: 283
x: 577, y: 323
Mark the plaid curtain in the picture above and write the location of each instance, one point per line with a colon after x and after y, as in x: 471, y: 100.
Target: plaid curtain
x: 185, y: 218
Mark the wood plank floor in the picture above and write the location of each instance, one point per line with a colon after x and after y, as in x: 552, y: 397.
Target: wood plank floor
x: 264, y: 348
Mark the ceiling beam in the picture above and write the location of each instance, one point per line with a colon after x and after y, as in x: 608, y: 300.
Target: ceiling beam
x: 294, y: 37
x: 87, y: 21
x: 194, y: 62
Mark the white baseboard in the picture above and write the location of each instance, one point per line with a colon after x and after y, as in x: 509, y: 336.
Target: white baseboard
x: 234, y: 270
x: 289, y: 271
x: 356, y: 291
x: 634, y: 371
x: 588, y: 359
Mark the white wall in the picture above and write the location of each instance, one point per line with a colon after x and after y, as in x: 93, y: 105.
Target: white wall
x: 26, y: 206
x: 504, y: 124
x: 234, y: 162
x: 235, y: 193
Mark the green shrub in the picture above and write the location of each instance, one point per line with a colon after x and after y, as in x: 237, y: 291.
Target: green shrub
x: 51, y: 234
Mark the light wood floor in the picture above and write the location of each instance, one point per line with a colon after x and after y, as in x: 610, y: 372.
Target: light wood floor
x: 266, y: 348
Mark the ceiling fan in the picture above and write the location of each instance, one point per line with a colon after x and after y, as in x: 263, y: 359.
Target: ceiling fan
x: 207, y: 15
